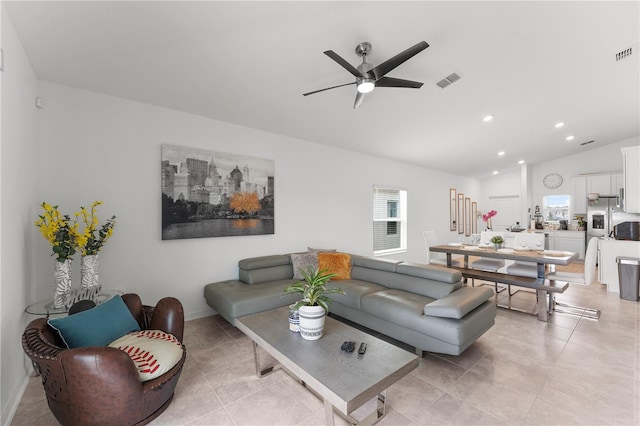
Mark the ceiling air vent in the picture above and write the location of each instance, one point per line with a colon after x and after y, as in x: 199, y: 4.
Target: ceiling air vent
x: 587, y: 142
x: 448, y: 80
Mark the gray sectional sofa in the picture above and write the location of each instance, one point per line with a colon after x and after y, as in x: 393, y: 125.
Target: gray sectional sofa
x: 424, y: 306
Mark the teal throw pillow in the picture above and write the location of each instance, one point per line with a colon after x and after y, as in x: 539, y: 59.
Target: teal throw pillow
x: 98, y: 326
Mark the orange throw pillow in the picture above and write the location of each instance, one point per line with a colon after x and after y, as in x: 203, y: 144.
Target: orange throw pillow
x: 335, y: 263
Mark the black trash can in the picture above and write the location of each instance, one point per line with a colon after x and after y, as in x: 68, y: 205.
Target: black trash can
x: 629, y: 277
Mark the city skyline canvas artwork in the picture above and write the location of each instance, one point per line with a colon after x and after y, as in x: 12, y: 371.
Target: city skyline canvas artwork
x: 215, y: 194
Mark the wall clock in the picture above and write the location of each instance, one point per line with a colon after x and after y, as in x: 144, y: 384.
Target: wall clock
x: 552, y: 180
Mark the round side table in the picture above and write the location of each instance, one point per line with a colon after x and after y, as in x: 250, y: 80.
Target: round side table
x: 46, y: 308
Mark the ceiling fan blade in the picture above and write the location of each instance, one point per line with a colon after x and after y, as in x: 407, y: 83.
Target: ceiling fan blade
x: 328, y: 88
x: 401, y: 57
x: 398, y: 82
x: 359, y: 98
x: 346, y: 65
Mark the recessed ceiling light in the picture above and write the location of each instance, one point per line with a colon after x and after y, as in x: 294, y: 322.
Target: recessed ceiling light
x: 487, y: 118
x: 570, y: 138
x: 558, y: 125
x: 495, y: 172
x: 521, y: 162
x: 501, y: 153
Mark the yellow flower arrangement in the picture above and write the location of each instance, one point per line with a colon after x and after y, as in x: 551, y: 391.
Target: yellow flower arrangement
x: 59, y: 231
x: 87, y: 241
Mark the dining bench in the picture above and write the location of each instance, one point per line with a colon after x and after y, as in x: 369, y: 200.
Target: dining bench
x: 546, y: 289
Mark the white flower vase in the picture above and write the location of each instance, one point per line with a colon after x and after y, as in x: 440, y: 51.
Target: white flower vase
x: 311, y: 322
x: 89, y: 271
x: 63, y: 283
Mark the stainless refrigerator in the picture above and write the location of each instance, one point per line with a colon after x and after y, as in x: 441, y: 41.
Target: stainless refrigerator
x: 603, y: 214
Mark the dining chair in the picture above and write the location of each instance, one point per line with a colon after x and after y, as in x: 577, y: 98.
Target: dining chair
x: 431, y: 239
x: 488, y: 264
x: 525, y: 241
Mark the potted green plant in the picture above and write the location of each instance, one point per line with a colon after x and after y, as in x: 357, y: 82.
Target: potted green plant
x: 497, y: 241
x: 582, y: 225
x: 314, y: 305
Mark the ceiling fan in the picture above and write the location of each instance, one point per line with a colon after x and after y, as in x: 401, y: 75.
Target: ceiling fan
x: 369, y: 77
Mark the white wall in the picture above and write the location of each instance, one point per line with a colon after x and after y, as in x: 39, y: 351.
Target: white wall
x: 96, y: 147
x: 17, y: 197
x: 605, y: 159
x: 85, y: 146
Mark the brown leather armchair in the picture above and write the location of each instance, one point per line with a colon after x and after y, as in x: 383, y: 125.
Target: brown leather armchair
x: 100, y: 385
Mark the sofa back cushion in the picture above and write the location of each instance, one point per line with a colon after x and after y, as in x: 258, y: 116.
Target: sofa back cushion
x: 378, y: 271
x: 257, y: 270
x: 432, y: 281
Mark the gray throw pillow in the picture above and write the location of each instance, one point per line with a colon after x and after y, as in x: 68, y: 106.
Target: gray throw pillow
x: 314, y: 251
x: 303, y: 261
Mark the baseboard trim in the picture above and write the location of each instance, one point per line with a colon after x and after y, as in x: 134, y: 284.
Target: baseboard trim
x: 14, y: 400
x: 188, y: 316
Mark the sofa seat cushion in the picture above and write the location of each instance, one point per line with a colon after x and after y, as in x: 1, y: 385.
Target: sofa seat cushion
x: 406, y: 310
x: 354, y: 290
x: 154, y: 352
x: 233, y: 298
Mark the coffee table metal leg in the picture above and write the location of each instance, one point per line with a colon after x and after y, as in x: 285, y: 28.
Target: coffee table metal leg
x: 373, y: 418
x: 260, y: 372
x: 328, y: 413
x: 382, y: 404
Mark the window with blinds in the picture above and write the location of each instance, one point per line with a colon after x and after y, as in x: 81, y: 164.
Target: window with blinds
x: 389, y: 220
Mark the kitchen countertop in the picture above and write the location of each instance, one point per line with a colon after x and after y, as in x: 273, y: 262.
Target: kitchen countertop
x: 542, y: 231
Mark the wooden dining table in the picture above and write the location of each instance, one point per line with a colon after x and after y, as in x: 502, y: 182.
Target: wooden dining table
x: 541, y: 258
x: 546, y: 288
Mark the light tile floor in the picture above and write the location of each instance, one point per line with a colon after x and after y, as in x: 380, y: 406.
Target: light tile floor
x: 568, y: 371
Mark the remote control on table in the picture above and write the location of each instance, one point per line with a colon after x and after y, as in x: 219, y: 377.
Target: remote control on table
x: 362, y: 349
x: 348, y: 346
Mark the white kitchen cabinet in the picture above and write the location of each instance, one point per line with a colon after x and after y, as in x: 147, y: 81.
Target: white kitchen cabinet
x: 600, y: 184
x: 631, y: 164
x: 579, y: 201
x: 617, y: 182
x: 569, y: 241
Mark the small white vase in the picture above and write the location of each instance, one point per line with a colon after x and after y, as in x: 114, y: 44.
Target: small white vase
x: 63, y: 283
x: 311, y: 322
x: 89, y: 271
x: 294, y: 319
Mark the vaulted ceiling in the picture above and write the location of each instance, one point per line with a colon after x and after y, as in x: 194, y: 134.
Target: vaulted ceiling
x: 528, y: 64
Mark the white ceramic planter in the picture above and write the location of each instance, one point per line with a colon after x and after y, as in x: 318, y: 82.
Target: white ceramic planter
x: 311, y: 322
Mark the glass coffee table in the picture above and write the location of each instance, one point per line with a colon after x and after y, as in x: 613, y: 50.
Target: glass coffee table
x: 344, y: 380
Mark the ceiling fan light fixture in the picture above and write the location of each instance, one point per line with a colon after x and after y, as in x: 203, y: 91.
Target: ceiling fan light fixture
x: 366, y: 85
